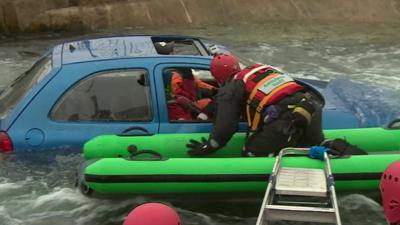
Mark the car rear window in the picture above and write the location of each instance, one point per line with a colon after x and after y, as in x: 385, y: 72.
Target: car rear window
x: 111, y: 96
x: 12, y: 94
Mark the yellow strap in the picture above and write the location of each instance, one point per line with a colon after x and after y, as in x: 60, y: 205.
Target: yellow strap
x: 304, y: 113
x: 248, y: 115
x: 264, y: 101
x: 245, y: 77
x: 253, y: 93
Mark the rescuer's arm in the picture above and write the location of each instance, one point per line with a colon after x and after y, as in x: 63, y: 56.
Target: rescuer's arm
x: 229, y: 105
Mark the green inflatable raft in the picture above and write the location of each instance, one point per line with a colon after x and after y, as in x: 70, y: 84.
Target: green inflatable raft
x: 174, y: 145
x: 165, y: 167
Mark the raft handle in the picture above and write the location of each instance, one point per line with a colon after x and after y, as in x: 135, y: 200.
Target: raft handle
x: 132, y: 149
x: 394, y: 124
x: 125, y: 132
x: 156, y: 155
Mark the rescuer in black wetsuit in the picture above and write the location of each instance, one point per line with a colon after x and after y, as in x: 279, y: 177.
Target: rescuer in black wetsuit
x: 280, y: 111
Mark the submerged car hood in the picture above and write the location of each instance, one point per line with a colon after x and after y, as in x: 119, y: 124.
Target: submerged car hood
x: 361, y: 103
x: 373, y: 106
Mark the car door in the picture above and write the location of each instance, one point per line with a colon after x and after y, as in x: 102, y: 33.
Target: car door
x: 89, y: 99
x: 162, y: 81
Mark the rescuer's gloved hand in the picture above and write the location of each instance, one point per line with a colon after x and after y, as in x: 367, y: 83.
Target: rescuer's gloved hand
x: 200, y: 148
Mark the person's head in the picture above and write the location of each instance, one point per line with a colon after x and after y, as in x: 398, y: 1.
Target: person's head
x: 164, y: 48
x: 390, y: 192
x: 152, y: 214
x: 223, y: 67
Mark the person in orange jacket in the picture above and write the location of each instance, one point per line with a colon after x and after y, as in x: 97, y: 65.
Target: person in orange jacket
x: 193, y: 96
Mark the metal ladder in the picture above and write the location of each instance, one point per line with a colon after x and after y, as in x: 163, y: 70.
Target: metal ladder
x: 300, y: 194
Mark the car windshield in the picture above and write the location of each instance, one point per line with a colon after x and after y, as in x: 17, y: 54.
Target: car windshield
x: 11, y: 95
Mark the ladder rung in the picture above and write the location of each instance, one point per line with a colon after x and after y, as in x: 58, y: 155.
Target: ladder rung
x: 301, y: 181
x: 300, y: 213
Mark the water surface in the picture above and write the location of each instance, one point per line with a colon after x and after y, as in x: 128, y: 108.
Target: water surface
x: 39, y: 189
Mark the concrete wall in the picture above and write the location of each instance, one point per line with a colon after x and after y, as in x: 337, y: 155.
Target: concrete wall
x: 81, y: 15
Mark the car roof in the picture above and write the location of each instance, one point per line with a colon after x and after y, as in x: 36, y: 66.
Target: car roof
x: 113, y: 47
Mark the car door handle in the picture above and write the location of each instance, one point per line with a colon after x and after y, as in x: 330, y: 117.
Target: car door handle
x: 127, y: 131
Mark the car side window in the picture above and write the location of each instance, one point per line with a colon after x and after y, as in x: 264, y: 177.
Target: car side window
x: 107, y: 96
x: 190, y: 94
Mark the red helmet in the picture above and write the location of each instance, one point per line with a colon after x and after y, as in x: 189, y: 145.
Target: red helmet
x: 152, y: 214
x: 390, y: 191
x: 223, y: 67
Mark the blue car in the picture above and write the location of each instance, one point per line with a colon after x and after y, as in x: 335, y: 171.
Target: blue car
x: 110, y: 85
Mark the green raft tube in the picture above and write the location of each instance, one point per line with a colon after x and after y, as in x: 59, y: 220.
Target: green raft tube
x: 163, y: 166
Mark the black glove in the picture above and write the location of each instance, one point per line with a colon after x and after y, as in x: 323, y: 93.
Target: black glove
x: 341, y: 147
x: 200, y: 148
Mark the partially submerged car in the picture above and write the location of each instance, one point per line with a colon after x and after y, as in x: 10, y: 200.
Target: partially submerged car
x: 110, y: 85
